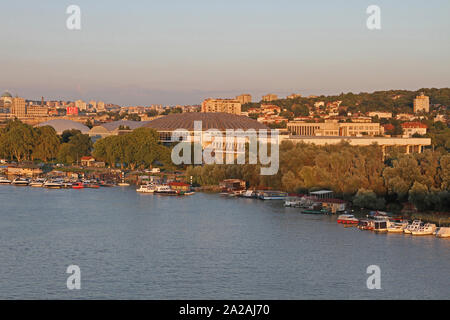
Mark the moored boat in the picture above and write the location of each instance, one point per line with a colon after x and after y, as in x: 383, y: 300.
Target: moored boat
x: 37, y: 183
x: 165, y: 190
x: 443, y: 232
x: 52, y: 184
x: 347, y: 219
x: 4, y: 180
x: 20, y: 182
x: 426, y: 230
x: 415, y: 225
x: 78, y: 185
x: 273, y: 195
x: 397, y: 227
x: 146, y: 188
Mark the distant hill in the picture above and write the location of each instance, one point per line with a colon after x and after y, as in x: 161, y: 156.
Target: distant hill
x: 395, y: 101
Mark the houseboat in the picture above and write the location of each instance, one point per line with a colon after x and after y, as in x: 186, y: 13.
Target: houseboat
x: 146, y: 188
x: 347, y: 219
x: 381, y: 225
x: 415, y: 225
x: 165, y: 190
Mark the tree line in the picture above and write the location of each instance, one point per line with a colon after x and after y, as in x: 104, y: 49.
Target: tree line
x: 353, y: 173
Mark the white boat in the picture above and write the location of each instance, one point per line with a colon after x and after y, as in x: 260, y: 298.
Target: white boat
x: 146, y: 188
x: 37, y: 183
x: 347, y: 219
x: 4, y: 180
x: 415, y: 225
x: 273, y: 195
x: 21, y: 182
x: 53, y: 184
x: 165, y: 189
x: 248, y: 194
x: 397, y: 227
x: 426, y: 230
x: 443, y: 232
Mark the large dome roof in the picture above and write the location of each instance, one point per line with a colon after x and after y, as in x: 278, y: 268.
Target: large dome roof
x: 6, y: 95
x: 210, y: 120
x: 60, y: 125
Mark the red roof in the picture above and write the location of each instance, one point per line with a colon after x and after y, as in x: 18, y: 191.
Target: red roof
x: 388, y: 127
x: 87, y: 158
x: 414, y: 125
x: 178, y: 184
x: 332, y: 201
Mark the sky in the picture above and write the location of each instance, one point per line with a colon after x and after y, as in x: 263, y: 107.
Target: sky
x: 181, y: 52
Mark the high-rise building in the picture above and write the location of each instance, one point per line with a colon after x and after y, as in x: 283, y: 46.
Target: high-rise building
x: 270, y: 97
x: 81, y: 105
x: 222, y: 105
x: 18, y: 107
x: 422, y: 103
x: 100, y: 106
x: 244, y: 98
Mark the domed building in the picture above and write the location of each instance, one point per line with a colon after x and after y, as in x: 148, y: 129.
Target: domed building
x: 115, y: 128
x: 61, y: 125
x: 6, y: 99
x: 193, y: 122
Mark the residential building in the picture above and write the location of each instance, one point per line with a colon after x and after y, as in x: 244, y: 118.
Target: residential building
x: 380, y: 114
x: 37, y: 111
x: 18, y: 107
x: 411, y: 128
x: 244, y: 98
x: 269, y: 97
x: 81, y: 105
x: 422, y: 103
x: 232, y: 106
x: 294, y: 96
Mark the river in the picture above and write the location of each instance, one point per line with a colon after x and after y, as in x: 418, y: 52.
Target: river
x: 204, y: 246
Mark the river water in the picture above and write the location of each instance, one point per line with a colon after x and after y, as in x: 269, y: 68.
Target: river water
x: 134, y: 246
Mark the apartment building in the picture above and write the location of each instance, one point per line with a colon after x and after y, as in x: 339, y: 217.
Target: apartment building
x: 269, y: 97
x: 421, y: 103
x: 244, y: 98
x: 232, y: 106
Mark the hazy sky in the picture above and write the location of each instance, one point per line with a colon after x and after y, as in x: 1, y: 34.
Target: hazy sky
x: 180, y: 52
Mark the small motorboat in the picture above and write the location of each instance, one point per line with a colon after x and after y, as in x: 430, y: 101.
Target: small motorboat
x: 443, y: 232
x: 4, y: 180
x: 21, y: 182
x: 427, y: 229
x: 53, y: 184
x: 37, y: 183
x: 78, y: 185
x: 397, y: 227
x: 347, y: 219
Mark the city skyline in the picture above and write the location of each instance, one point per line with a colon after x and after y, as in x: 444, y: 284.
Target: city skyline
x: 179, y: 53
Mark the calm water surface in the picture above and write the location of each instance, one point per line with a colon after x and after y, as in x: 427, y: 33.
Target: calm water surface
x: 133, y: 246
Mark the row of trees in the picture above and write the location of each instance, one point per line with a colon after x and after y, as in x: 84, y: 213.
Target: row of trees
x: 359, y: 173
x: 22, y: 142
x: 139, y: 149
